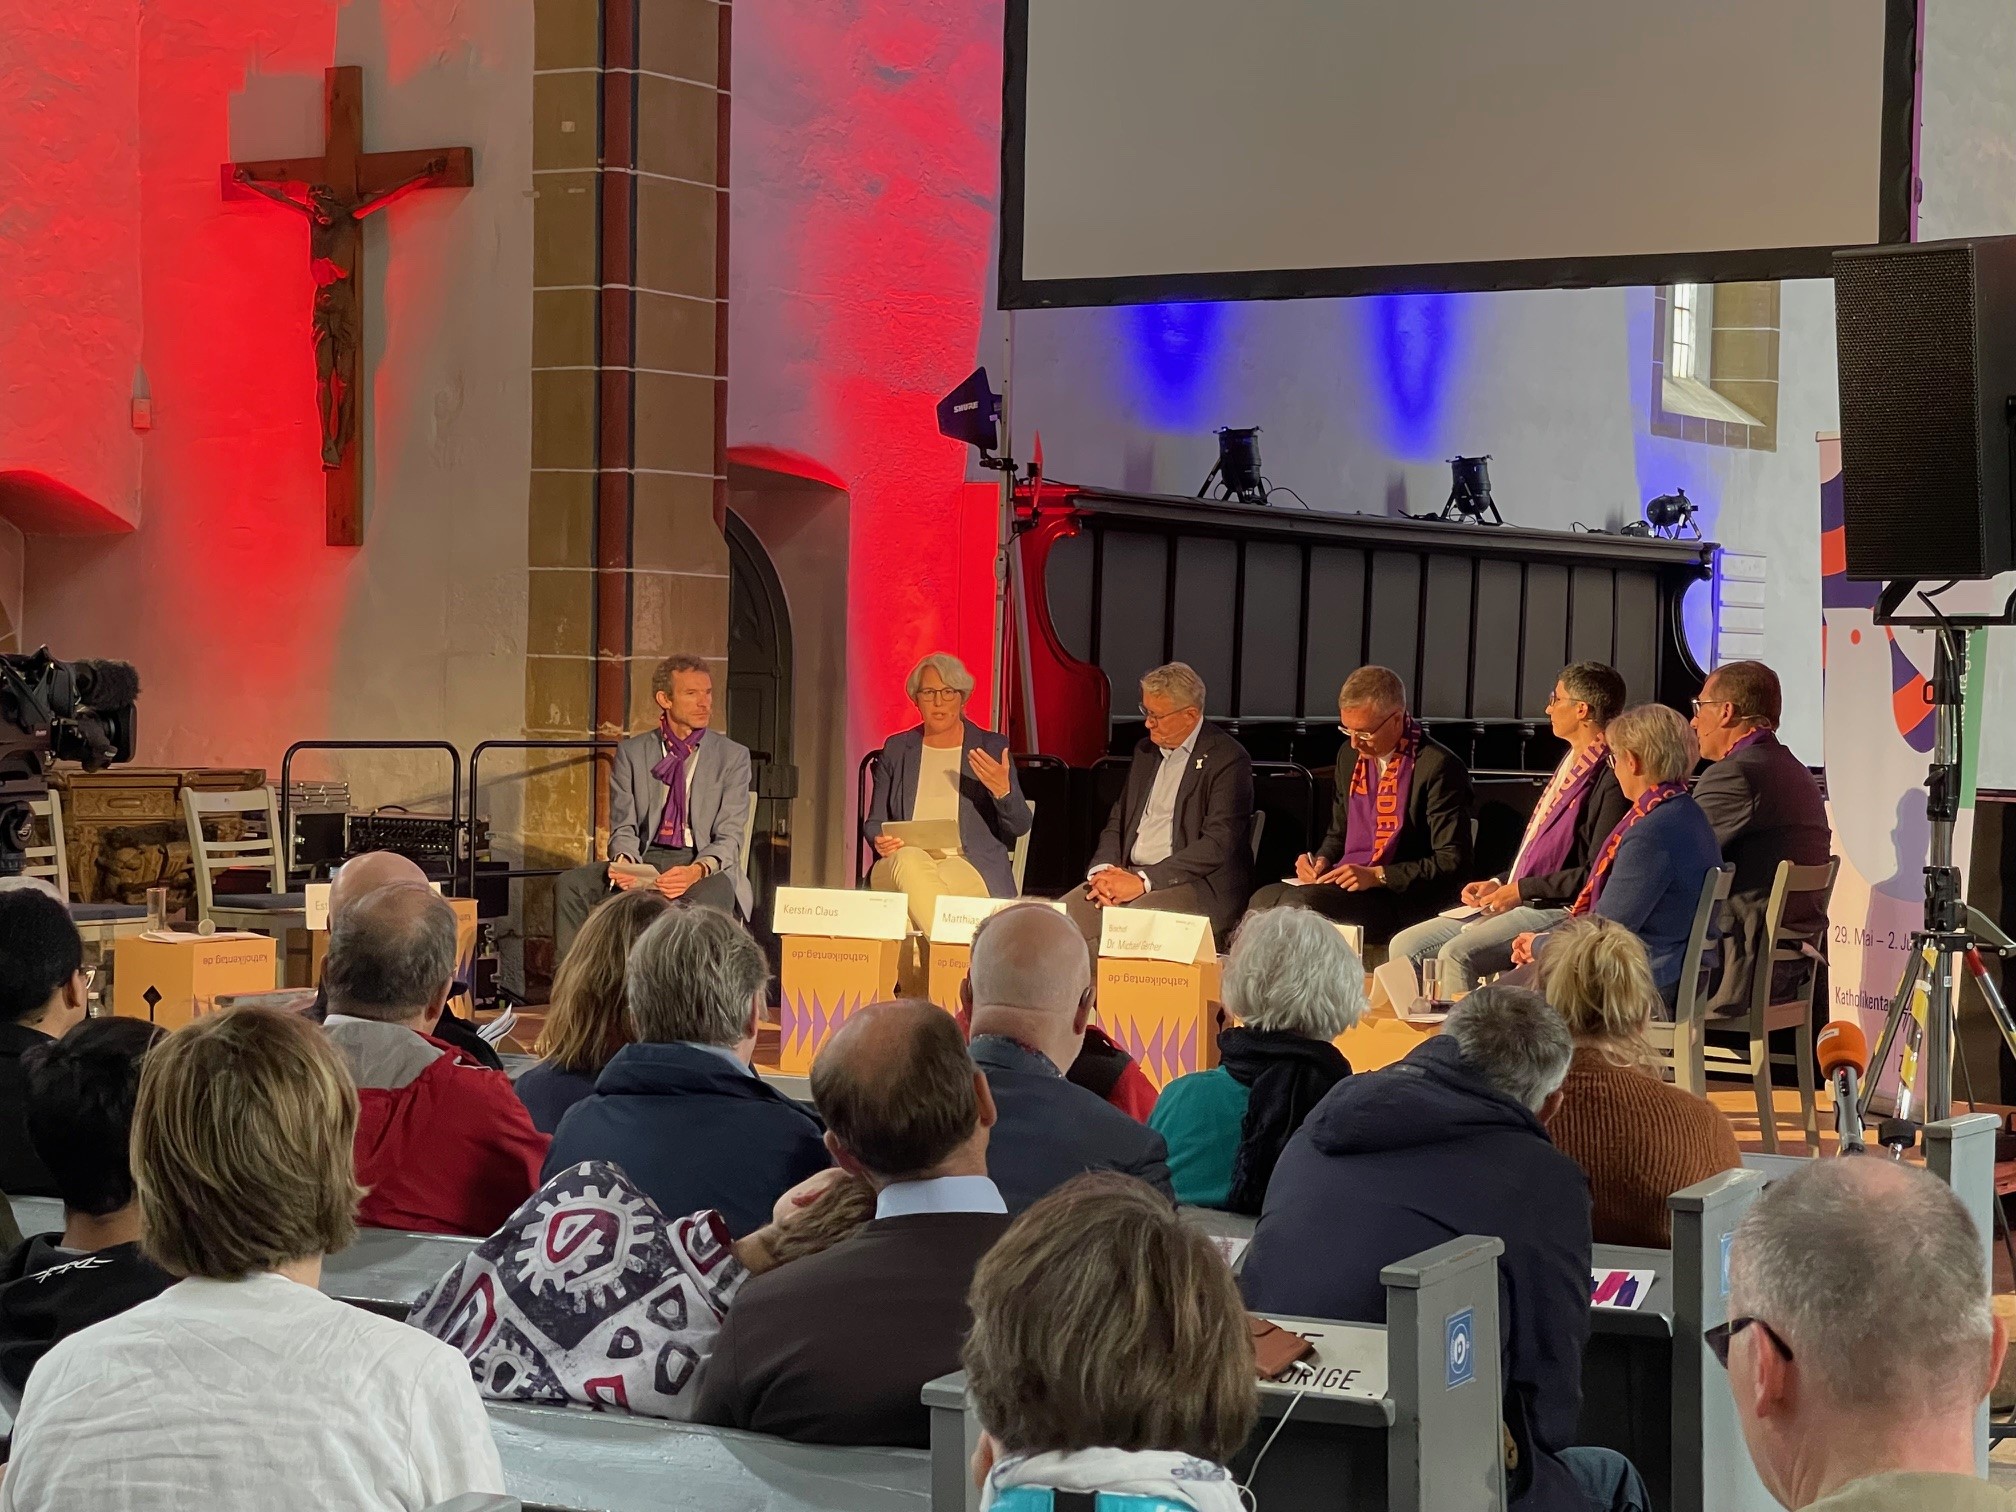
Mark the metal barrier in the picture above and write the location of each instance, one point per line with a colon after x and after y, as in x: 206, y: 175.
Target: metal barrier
x: 587, y: 745
x: 284, y: 841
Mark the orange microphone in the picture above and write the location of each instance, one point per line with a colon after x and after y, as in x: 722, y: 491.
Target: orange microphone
x: 1843, y: 1053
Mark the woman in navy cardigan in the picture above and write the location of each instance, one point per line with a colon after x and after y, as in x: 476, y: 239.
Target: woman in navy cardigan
x: 1647, y: 876
x: 945, y: 768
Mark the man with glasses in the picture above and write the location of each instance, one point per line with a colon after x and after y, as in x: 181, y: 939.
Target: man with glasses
x: 1181, y: 836
x: 1765, y: 808
x: 1860, y: 1341
x: 1398, y: 850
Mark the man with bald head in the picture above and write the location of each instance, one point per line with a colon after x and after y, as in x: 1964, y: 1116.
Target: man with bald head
x: 836, y: 1348
x: 443, y: 1144
x: 1860, y: 1342
x: 1029, y: 992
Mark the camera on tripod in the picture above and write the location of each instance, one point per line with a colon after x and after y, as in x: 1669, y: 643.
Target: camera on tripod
x: 50, y: 710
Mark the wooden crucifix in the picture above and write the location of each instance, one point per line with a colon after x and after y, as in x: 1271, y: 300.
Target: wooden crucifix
x: 334, y: 193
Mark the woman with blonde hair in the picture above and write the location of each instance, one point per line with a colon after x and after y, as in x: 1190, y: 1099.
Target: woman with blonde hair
x: 1637, y: 1139
x: 243, y: 1388
x: 1109, y: 1353
x: 588, y: 1020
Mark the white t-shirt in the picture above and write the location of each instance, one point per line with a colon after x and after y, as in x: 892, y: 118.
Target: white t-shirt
x: 248, y: 1396
x: 938, y: 783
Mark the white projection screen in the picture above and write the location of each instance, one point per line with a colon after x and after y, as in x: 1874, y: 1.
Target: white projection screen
x: 1243, y: 149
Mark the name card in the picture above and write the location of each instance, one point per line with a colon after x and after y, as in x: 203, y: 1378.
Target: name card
x: 1350, y: 1361
x: 957, y: 918
x: 841, y: 913
x: 1148, y: 934
x: 316, y: 905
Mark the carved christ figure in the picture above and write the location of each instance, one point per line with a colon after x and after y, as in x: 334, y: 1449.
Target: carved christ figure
x: 335, y: 232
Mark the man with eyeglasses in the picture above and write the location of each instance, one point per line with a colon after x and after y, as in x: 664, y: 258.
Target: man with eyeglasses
x: 1181, y: 836
x: 1765, y: 808
x: 1398, y: 850
x: 1860, y: 1341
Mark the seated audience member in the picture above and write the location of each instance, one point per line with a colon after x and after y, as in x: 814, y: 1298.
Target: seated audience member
x: 1181, y: 837
x: 631, y: 1330
x: 1399, y: 842
x: 1860, y: 1342
x: 367, y: 873
x: 680, y: 1111
x: 443, y: 1144
x: 836, y: 1348
x: 678, y: 802
x: 1448, y: 1142
x: 1579, y: 807
x: 1764, y: 807
x: 80, y: 1118
x: 42, y: 998
x: 588, y: 1020
x: 1637, y: 1139
x: 1107, y: 1071
x: 1294, y: 985
x: 1109, y: 1352
x: 1648, y: 874
x: 1028, y: 996
x: 242, y: 1388
x: 946, y: 768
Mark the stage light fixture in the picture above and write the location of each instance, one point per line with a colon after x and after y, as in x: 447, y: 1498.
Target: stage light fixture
x: 1672, y: 515
x: 1470, y: 491
x: 972, y: 413
x: 1237, y: 469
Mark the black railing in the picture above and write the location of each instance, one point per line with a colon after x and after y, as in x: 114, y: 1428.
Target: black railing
x: 587, y: 745
x: 460, y: 843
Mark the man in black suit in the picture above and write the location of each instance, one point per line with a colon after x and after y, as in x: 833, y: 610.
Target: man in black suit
x: 1028, y: 993
x: 836, y: 1348
x: 1398, y: 850
x: 1766, y: 808
x: 1181, y: 836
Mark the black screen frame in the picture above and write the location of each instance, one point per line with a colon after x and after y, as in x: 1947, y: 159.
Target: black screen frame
x: 1896, y: 198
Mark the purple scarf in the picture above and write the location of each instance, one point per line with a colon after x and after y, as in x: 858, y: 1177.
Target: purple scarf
x: 671, y: 770
x: 1553, y: 833
x: 1373, y: 821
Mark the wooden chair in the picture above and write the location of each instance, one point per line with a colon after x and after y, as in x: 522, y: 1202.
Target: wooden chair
x: 1678, y: 1047
x: 98, y: 923
x: 1766, y: 1017
x: 272, y: 912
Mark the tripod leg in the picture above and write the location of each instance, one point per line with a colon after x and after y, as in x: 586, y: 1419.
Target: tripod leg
x: 1998, y: 1009
x: 1900, y: 1009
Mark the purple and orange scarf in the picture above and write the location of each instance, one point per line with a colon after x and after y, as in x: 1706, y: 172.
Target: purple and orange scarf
x: 1373, y: 820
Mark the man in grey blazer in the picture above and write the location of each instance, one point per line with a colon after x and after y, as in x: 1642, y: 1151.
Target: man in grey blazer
x: 695, y: 842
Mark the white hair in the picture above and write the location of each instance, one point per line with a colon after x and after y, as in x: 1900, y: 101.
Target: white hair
x: 1176, y: 681
x: 1513, y: 1038
x: 1292, y: 970
x: 694, y: 976
x: 951, y: 671
x: 1872, y: 1274
x: 1662, y: 741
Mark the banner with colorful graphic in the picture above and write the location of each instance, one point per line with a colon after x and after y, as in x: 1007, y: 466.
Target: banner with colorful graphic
x: 1879, y: 743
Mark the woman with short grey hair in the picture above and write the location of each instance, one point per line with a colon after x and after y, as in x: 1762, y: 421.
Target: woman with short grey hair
x: 950, y: 770
x: 1294, y: 984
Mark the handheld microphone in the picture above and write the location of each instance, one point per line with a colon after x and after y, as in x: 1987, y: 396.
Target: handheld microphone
x: 1843, y: 1052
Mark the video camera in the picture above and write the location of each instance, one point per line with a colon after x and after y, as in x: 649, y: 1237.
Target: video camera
x: 50, y: 710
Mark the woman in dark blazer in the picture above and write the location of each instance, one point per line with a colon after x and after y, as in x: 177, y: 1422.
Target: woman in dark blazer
x: 945, y: 768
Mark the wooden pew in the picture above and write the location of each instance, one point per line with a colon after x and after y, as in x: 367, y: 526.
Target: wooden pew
x: 1419, y: 1431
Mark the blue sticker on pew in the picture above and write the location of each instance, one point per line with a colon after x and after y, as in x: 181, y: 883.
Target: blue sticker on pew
x: 1461, y: 1354
x: 1725, y: 1261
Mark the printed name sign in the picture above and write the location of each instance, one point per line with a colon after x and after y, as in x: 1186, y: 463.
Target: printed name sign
x: 1349, y: 1361
x: 957, y: 918
x: 841, y: 913
x: 1149, y: 934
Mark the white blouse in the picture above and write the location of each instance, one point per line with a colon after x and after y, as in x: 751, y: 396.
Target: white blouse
x: 247, y: 1396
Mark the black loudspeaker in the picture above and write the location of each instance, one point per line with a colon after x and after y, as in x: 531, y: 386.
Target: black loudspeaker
x: 1927, y: 342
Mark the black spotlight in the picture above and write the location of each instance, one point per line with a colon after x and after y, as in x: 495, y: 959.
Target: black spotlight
x: 1671, y: 516
x: 1237, y: 469
x: 972, y: 413
x: 1470, y: 491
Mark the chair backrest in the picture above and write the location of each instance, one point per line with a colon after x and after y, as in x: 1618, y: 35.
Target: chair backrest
x: 208, y: 857
x: 1018, y: 855
x: 748, y: 833
x: 1259, y: 829
x: 1678, y: 1046
x: 48, y: 861
x: 1778, y: 944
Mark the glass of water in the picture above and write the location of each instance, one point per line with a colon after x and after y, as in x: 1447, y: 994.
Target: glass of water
x: 1431, y: 979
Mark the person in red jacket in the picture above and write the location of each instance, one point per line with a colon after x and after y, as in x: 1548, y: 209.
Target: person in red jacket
x: 443, y: 1144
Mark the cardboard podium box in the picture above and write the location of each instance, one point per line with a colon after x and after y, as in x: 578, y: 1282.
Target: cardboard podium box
x: 951, y: 941
x: 841, y: 950
x: 1158, y: 990
x: 169, y: 979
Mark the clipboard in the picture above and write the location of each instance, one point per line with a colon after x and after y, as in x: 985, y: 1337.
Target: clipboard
x: 925, y: 834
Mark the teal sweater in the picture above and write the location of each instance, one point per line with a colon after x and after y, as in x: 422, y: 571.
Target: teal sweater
x: 1199, y: 1117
